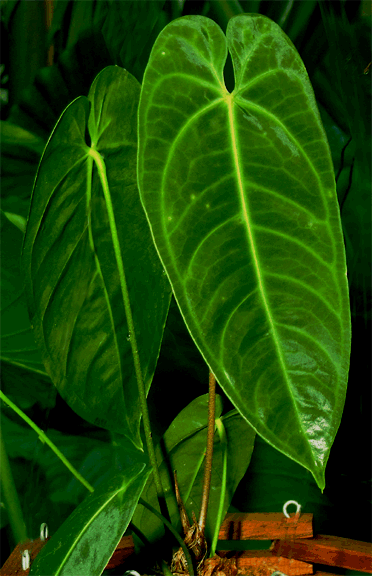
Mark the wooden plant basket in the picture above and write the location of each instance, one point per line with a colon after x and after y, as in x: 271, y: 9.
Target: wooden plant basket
x: 293, y: 551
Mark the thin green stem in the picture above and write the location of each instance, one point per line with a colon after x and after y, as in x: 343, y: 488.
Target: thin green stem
x: 140, y: 535
x: 44, y: 438
x: 10, y: 496
x: 174, y: 532
x: 209, y: 452
x: 223, y: 440
x: 165, y: 569
x: 132, y: 335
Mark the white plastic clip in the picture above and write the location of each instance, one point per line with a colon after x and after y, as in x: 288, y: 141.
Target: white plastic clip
x: 44, y: 531
x: 287, y: 504
x: 25, y: 560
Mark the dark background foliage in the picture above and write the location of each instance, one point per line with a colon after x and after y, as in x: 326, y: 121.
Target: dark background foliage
x: 333, y: 39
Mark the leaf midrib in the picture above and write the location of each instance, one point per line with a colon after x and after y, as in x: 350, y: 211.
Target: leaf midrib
x: 240, y: 182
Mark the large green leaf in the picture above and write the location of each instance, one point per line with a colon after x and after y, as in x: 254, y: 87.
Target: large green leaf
x: 86, y: 541
x: 240, y: 196
x: 183, y: 449
x: 87, y: 251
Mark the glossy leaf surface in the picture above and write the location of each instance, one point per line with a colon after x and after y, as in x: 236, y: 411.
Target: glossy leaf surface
x: 183, y: 449
x: 240, y: 195
x: 87, y: 250
x: 87, y: 539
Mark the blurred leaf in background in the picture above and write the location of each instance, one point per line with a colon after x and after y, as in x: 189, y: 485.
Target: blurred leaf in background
x: 24, y: 377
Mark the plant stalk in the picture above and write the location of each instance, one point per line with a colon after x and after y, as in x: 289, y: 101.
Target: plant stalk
x: 174, y: 532
x: 209, y: 452
x: 151, y: 450
x: 132, y: 335
x: 10, y: 496
x: 223, y: 441
x: 44, y: 438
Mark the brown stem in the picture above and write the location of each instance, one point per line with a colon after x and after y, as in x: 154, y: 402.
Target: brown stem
x: 209, y: 452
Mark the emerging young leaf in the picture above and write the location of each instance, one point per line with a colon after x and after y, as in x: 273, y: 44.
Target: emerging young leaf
x: 183, y: 449
x: 239, y: 193
x: 88, y: 253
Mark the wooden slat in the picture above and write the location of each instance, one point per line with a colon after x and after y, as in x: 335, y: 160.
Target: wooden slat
x: 292, y: 556
x: 325, y: 574
x: 265, y: 526
x: 13, y: 565
x: 329, y: 550
x: 123, y: 550
x: 263, y: 563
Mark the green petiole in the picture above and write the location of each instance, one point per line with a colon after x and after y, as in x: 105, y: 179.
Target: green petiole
x: 44, y: 438
x: 222, y: 434
x: 174, y: 532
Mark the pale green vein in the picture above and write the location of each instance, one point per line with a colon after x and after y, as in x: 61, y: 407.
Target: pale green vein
x: 188, y: 77
x: 119, y: 260
x: 96, y: 259
x: 193, y: 205
x: 252, y: 243
x: 172, y: 149
x: 256, y: 79
x: 47, y: 204
x: 47, y: 303
x: 286, y: 326
x: 252, y: 52
x: 269, y: 115
x: 306, y: 335
x: 217, y: 296
x: 306, y: 287
x: 205, y: 239
x: 294, y: 240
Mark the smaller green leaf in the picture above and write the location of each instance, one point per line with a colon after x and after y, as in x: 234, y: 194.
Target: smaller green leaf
x: 86, y: 541
x: 183, y: 449
x: 96, y: 293
x: 240, y: 438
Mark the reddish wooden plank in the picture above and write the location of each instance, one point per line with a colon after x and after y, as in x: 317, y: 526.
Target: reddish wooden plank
x: 123, y: 550
x: 265, y: 526
x: 13, y: 565
x: 329, y: 550
x: 263, y: 563
x: 325, y: 574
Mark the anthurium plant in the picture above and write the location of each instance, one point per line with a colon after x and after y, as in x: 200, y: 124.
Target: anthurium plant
x: 224, y: 201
